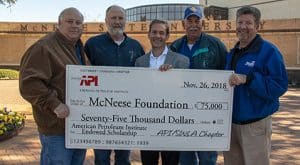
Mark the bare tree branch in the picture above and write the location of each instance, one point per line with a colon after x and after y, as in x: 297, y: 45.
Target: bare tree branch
x: 7, y: 2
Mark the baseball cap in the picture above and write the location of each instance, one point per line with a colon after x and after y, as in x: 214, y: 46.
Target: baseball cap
x: 194, y: 10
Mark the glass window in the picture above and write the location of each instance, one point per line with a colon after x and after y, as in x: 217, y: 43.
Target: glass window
x: 148, y: 9
x: 179, y: 15
x: 159, y: 9
x: 138, y: 17
x: 143, y: 17
x: 159, y: 15
x: 171, y: 16
x: 134, y: 11
x: 171, y: 8
x: 178, y: 8
x: 138, y: 10
x: 153, y: 9
x: 165, y: 15
x: 183, y: 7
x: 165, y: 9
x: 153, y: 16
x: 148, y: 16
x: 143, y: 10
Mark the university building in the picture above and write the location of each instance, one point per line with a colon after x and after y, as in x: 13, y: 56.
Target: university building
x: 15, y: 38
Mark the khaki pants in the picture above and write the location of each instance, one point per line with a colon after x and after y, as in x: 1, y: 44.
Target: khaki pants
x: 250, y: 143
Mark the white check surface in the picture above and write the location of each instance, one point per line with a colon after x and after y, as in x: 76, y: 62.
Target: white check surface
x: 142, y: 108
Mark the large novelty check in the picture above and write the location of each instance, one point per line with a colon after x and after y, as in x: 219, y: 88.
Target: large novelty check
x: 142, y: 108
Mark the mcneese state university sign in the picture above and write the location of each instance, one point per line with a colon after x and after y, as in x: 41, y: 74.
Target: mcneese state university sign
x: 17, y: 37
x: 139, y: 27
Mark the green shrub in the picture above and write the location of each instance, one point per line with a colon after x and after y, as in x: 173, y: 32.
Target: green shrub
x: 9, y: 74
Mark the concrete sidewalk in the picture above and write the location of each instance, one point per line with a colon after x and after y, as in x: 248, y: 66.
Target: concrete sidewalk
x: 25, y: 148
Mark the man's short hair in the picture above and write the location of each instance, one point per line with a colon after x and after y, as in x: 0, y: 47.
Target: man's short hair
x: 249, y: 10
x: 157, y: 21
x: 109, y: 8
x: 62, y: 14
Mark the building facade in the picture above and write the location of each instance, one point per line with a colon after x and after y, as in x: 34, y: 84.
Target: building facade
x: 271, y: 9
x: 280, y: 26
x: 167, y: 12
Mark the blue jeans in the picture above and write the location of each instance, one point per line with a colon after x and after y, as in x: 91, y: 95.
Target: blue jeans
x: 102, y: 157
x: 204, y: 157
x: 54, y: 152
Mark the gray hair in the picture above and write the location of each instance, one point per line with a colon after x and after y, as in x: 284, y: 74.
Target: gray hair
x: 114, y: 6
x: 62, y: 14
x: 249, y: 10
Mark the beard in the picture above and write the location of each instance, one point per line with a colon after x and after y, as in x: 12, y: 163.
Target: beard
x: 116, y: 31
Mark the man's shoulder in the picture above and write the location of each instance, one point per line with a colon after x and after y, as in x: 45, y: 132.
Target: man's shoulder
x: 177, y: 55
x: 142, y: 60
x: 143, y: 57
x: 177, y: 41
x: 269, y: 47
x: 210, y: 38
x: 268, y: 43
x: 132, y: 40
x: 47, y: 40
x: 175, y: 45
x: 98, y: 37
x: 178, y: 60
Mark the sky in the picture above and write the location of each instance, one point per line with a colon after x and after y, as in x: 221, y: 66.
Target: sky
x: 48, y: 10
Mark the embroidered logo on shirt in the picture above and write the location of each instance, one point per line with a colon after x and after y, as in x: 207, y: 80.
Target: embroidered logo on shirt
x: 250, y: 64
x: 131, y: 52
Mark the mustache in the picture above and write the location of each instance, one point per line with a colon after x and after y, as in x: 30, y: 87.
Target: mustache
x: 193, y: 28
x: 117, y: 31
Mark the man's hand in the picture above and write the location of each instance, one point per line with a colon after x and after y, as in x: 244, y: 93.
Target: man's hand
x: 62, y: 111
x: 237, y: 79
x: 165, y: 67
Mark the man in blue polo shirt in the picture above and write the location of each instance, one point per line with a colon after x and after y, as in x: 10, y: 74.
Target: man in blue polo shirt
x: 204, y: 52
x: 113, y: 48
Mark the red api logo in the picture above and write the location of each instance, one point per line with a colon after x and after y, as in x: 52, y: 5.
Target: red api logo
x: 89, y: 80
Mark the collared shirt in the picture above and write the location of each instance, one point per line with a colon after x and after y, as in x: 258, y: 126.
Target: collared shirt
x: 156, y: 62
x: 103, y: 51
x: 119, y: 42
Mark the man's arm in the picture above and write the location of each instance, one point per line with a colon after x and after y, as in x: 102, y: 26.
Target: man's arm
x: 270, y: 82
x: 183, y: 62
x: 88, y: 51
x: 35, y: 79
x: 223, y: 54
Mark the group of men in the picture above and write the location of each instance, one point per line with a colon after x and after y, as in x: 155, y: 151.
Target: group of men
x: 259, y: 80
